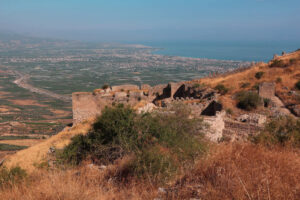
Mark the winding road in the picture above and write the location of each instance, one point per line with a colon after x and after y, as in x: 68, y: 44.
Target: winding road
x: 22, y: 81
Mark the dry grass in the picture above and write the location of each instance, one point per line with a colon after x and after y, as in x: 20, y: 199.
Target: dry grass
x: 76, y: 184
x: 231, y: 171
x: 28, y: 158
x: 288, y: 75
x: 243, y: 171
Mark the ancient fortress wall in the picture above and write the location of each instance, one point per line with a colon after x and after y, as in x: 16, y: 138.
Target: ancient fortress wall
x: 86, y: 105
x: 267, y: 90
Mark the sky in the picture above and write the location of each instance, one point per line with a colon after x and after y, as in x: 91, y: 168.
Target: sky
x: 153, y: 20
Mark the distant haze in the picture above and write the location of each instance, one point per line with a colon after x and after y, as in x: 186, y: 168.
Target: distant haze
x: 153, y: 20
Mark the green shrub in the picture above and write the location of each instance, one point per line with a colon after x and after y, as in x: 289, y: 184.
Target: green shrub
x: 266, y: 102
x: 281, y: 131
x: 248, y: 100
x: 278, y: 63
x: 245, y: 85
x: 160, y: 143
x: 256, y: 86
x: 8, y: 177
x: 278, y: 80
x: 297, y: 85
x: 221, y: 89
x: 105, y: 86
x: 258, y: 75
x: 293, y: 60
x: 229, y: 111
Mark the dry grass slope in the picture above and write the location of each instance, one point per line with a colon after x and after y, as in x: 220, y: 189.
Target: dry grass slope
x: 233, y: 171
x: 28, y: 158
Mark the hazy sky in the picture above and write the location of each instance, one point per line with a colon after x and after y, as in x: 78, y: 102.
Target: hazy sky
x: 150, y: 20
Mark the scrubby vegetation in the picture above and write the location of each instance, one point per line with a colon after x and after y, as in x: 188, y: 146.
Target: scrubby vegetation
x: 297, y: 85
x: 278, y: 80
x: 158, y: 144
x: 11, y: 176
x: 259, y: 75
x: 245, y: 85
x: 105, y: 86
x: 248, y: 100
x: 221, y: 89
x: 241, y: 171
x: 266, y: 102
x: 278, y: 63
x: 281, y: 131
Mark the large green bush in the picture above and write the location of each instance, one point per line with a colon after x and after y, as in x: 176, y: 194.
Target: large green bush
x: 160, y: 143
x: 282, y: 131
x: 248, y: 100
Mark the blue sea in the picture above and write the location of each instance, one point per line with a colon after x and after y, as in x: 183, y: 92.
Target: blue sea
x: 241, y: 51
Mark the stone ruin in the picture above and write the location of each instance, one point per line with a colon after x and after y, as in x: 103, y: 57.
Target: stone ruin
x: 90, y: 104
x: 202, y: 101
x: 267, y: 90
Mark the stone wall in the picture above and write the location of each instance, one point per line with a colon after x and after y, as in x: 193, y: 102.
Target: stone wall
x: 267, y: 90
x: 124, y: 88
x: 239, y: 130
x: 86, y: 105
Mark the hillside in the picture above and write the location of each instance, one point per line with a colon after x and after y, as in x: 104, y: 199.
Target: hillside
x: 283, y: 70
x: 29, y: 158
x: 288, y: 72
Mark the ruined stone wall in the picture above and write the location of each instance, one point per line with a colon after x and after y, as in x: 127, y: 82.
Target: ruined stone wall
x: 124, y: 87
x: 86, y: 105
x: 267, y: 90
x: 240, y: 130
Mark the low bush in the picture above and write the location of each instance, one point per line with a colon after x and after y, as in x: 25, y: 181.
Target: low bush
x: 293, y: 60
x: 280, y: 131
x: 105, y: 86
x: 221, y: 89
x: 229, y: 111
x: 278, y: 80
x: 266, y: 102
x: 258, y: 75
x: 245, y: 85
x: 8, y: 177
x: 248, y: 100
x: 256, y: 86
x: 159, y: 143
x: 297, y: 85
x: 278, y: 63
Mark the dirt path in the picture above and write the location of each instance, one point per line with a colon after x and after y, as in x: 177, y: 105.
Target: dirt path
x: 22, y: 79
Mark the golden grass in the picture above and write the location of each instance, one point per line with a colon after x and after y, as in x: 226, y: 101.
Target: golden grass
x: 230, y: 171
x: 289, y: 77
x: 243, y: 171
x: 28, y: 158
x: 76, y: 184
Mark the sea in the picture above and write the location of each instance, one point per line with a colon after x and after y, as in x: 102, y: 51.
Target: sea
x: 237, y: 51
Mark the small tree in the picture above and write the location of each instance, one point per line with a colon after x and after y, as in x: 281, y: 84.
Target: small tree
x: 105, y: 86
x: 258, y: 75
x: 248, y: 100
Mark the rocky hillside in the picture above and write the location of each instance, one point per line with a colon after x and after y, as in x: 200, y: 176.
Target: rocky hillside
x: 283, y: 71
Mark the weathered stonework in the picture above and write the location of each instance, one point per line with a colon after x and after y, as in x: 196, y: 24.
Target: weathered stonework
x: 267, y: 90
x: 86, y: 105
x: 124, y: 88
